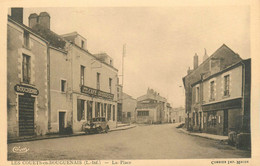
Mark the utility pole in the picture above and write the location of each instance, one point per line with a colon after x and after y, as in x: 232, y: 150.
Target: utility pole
x: 123, y: 56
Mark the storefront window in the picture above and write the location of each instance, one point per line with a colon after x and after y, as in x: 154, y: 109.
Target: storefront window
x: 80, y: 110
x: 212, y: 119
x: 114, y: 113
x: 89, y: 110
x: 109, y: 112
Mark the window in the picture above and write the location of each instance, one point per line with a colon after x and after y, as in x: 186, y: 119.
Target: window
x: 109, y: 112
x: 197, y: 94
x: 212, y: 119
x: 114, y: 113
x: 82, y: 44
x: 82, y: 71
x: 26, y: 67
x: 26, y: 39
x: 97, y: 109
x: 80, y: 109
x: 212, y: 90
x: 63, y: 85
x: 226, y: 85
x: 89, y: 110
x: 129, y: 114
x: 143, y: 113
x: 110, y: 85
x: 98, y: 80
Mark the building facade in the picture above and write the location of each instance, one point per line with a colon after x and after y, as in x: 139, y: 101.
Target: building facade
x: 218, y: 94
x: 27, y: 82
x: 151, y: 108
x: 54, y: 83
x: 129, y: 109
x: 178, y: 115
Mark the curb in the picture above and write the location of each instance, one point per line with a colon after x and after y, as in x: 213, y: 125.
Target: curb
x: 60, y: 136
x: 193, y: 134
x: 117, y: 129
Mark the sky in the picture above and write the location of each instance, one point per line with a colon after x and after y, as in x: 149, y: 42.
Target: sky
x: 160, y: 41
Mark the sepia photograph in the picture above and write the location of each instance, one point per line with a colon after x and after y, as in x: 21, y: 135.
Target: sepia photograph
x: 117, y: 84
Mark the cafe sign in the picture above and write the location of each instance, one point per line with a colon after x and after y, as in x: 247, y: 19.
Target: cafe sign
x: 96, y: 93
x: 26, y: 89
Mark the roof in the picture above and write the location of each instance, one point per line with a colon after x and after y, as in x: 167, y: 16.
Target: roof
x: 27, y: 29
x: 54, y: 39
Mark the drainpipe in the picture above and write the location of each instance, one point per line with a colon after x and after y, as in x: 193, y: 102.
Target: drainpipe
x: 48, y: 87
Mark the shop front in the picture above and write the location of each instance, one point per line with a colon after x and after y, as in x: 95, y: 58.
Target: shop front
x: 222, y: 117
x: 93, y: 103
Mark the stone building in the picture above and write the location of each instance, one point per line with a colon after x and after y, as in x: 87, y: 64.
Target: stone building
x: 84, y: 82
x: 151, y: 108
x: 177, y: 115
x: 27, y: 79
x: 54, y: 84
x: 218, y: 93
x: 129, y: 109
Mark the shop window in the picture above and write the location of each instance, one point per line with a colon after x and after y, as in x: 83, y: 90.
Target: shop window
x: 89, y: 110
x: 26, y: 38
x: 105, y: 110
x: 26, y: 67
x: 114, y: 113
x: 212, y: 119
x: 82, y: 74
x: 63, y: 85
x: 129, y: 114
x: 226, y: 85
x: 109, y: 112
x: 97, y: 109
x: 80, y: 109
x: 143, y: 113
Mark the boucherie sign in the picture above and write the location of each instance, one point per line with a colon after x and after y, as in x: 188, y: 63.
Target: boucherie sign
x: 96, y: 93
x: 26, y: 89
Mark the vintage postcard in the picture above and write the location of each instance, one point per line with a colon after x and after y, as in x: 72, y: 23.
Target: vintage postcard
x: 89, y: 83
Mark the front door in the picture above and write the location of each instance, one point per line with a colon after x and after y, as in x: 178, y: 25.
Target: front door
x: 61, y: 122
x: 225, y: 129
x: 26, y: 115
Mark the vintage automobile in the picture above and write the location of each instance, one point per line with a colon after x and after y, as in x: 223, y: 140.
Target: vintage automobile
x: 96, y: 125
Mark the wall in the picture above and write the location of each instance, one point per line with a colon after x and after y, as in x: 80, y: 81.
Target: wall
x: 60, y: 70
x: 235, y: 86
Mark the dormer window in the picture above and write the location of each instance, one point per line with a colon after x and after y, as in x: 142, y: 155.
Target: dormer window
x: 111, y: 62
x: 82, y: 44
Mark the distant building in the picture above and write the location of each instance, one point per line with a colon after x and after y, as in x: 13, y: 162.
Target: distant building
x: 177, y: 115
x: 129, y: 108
x: 218, y: 93
x: 152, y: 108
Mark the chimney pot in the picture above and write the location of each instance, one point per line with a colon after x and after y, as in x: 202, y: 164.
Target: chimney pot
x: 196, y: 61
x: 33, y: 20
x: 44, y: 19
x: 17, y: 14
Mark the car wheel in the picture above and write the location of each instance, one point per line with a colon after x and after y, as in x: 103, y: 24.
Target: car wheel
x: 106, y: 129
x: 99, y: 130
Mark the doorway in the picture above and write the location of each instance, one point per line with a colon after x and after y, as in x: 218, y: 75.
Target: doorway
x: 225, y: 125
x: 61, y: 122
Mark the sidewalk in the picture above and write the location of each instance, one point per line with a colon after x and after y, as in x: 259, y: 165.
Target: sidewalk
x: 205, y: 135
x: 25, y: 139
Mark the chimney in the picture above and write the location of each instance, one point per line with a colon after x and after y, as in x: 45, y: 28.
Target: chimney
x: 17, y: 14
x: 188, y: 71
x: 33, y: 20
x: 196, y: 61
x: 205, y: 55
x: 44, y: 19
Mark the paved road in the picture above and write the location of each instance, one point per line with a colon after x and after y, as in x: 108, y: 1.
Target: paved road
x: 141, y: 142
